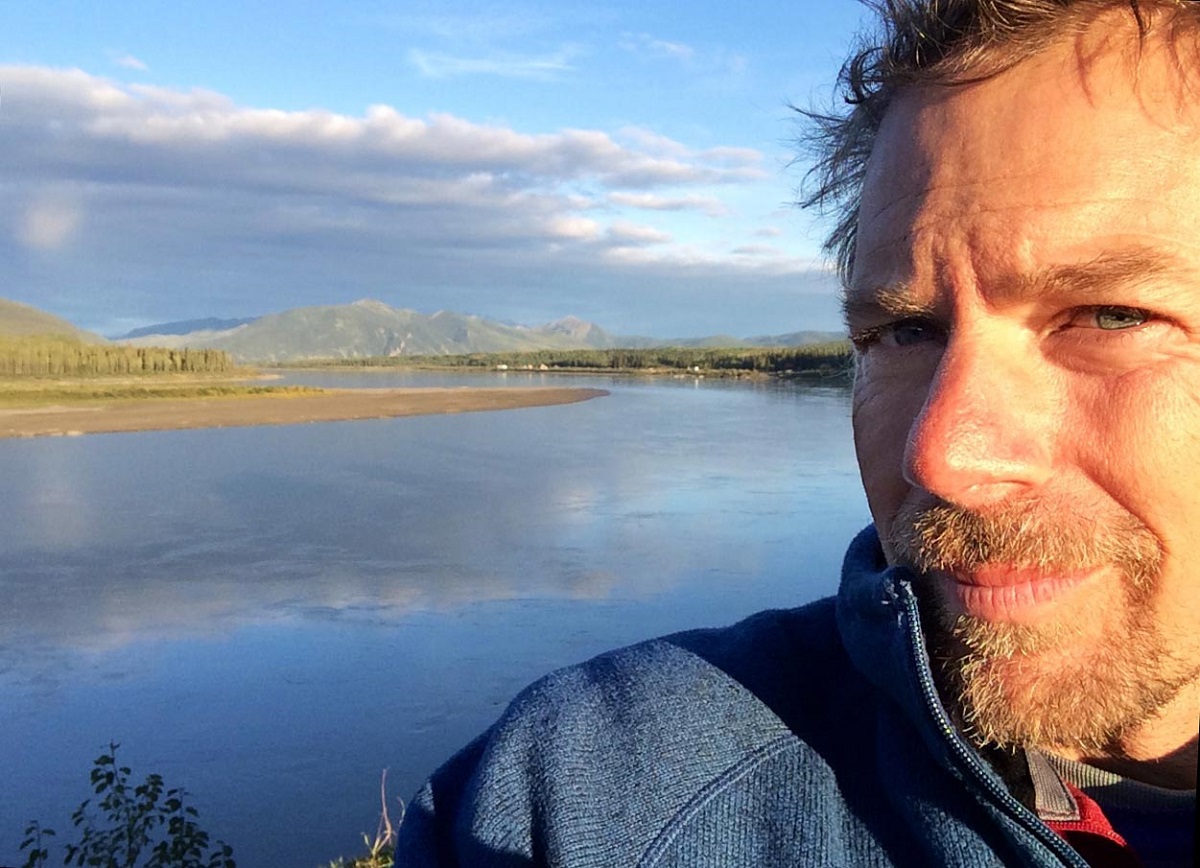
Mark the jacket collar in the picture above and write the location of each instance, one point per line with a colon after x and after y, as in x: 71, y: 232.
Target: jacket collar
x: 874, y: 622
x: 880, y: 627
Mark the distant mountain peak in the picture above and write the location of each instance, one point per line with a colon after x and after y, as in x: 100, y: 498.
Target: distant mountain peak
x: 374, y: 304
x: 569, y: 325
x: 184, y: 327
x: 369, y: 327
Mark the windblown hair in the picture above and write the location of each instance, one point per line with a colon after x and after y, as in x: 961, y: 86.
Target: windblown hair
x: 944, y: 42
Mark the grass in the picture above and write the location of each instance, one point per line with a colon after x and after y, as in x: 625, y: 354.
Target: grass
x: 38, y: 393
x: 380, y: 849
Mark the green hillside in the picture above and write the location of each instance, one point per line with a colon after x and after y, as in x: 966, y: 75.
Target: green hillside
x: 371, y: 328
x: 34, y: 343
x: 18, y: 319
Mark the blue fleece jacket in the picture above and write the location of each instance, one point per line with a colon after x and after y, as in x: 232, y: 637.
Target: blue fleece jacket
x: 805, y: 737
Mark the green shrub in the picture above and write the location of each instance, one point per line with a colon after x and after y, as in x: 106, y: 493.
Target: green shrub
x: 127, y: 826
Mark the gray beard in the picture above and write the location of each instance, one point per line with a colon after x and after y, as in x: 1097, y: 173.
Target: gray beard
x: 1001, y: 693
x: 1005, y: 683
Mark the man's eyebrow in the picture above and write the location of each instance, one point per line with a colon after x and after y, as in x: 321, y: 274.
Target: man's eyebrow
x: 1126, y: 268
x: 896, y: 300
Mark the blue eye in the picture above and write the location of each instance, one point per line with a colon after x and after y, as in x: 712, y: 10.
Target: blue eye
x: 1115, y: 318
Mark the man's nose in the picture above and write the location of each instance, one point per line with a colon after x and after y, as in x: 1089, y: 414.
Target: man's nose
x: 986, y: 430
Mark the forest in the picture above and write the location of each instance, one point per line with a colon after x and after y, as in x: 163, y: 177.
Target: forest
x: 826, y: 359
x: 55, y: 355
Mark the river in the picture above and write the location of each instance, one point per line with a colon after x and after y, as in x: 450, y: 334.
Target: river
x: 270, y: 617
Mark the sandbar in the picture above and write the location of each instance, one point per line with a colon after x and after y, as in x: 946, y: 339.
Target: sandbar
x: 329, y: 405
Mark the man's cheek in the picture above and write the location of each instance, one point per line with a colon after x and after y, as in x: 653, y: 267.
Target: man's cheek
x: 1137, y: 438
x: 885, y: 408
x: 883, y: 413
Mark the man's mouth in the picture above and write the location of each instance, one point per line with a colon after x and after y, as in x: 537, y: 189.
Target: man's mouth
x: 1004, y: 592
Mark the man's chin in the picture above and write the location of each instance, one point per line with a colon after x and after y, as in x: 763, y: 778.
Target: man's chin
x: 1073, y: 685
x: 1022, y: 684
x: 1003, y: 702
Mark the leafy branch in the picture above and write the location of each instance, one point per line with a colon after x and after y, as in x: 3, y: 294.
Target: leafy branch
x: 131, y: 826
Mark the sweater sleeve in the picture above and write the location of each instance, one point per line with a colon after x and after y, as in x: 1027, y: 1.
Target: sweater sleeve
x: 627, y: 741
x: 436, y: 829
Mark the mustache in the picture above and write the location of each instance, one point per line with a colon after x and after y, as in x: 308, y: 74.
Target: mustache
x: 1034, y: 534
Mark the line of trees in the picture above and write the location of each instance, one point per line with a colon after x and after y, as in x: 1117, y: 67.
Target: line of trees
x: 54, y: 355
x: 827, y: 358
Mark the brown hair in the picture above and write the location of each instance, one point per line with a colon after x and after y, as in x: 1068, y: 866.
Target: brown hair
x: 928, y: 42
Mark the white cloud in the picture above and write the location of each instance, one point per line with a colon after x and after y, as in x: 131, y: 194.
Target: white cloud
x: 200, y: 133
x: 757, y: 250
x: 652, y: 142
x: 644, y: 43
x: 576, y: 228
x: 746, y: 260
x: 713, y: 66
x: 768, y: 232
x: 479, y: 26
x: 433, y: 64
x: 624, y: 233
x: 195, y: 205
x: 736, y: 158
x: 128, y: 61
x: 709, y: 205
x: 49, y: 220
x: 735, y: 64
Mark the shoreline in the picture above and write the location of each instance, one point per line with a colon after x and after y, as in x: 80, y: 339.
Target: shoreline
x: 814, y: 376
x: 234, y: 411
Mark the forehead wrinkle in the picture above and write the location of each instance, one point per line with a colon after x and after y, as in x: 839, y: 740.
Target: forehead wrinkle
x: 1080, y: 282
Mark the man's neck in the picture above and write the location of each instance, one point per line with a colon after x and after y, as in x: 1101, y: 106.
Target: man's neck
x: 1162, y: 752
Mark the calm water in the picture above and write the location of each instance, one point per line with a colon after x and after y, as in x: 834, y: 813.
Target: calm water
x: 271, y: 616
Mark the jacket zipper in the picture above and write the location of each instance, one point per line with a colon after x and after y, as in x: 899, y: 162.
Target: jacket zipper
x: 966, y: 756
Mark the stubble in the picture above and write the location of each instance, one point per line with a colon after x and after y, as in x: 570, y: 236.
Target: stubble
x: 1077, y: 682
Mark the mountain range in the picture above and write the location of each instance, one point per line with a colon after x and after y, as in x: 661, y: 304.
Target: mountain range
x: 371, y: 328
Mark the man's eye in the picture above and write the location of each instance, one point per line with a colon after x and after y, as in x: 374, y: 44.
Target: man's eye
x: 902, y: 333
x: 1116, y: 318
x: 908, y: 332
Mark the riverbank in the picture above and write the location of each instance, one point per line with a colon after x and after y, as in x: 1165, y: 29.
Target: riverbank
x: 101, y: 415
x: 527, y: 371
x: 817, y: 362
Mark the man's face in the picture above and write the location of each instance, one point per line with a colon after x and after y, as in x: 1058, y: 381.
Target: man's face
x: 1025, y: 302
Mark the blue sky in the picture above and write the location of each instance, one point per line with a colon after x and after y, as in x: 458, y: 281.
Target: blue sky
x: 623, y: 162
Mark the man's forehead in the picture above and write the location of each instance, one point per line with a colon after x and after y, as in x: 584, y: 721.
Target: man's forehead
x: 1077, y: 282
x: 1047, y: 163
x: 1107, y: 60
x: 1158, y: 64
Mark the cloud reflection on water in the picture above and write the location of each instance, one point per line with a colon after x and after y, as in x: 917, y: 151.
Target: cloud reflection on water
x: 249, y: 610
x: 139, y: 538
